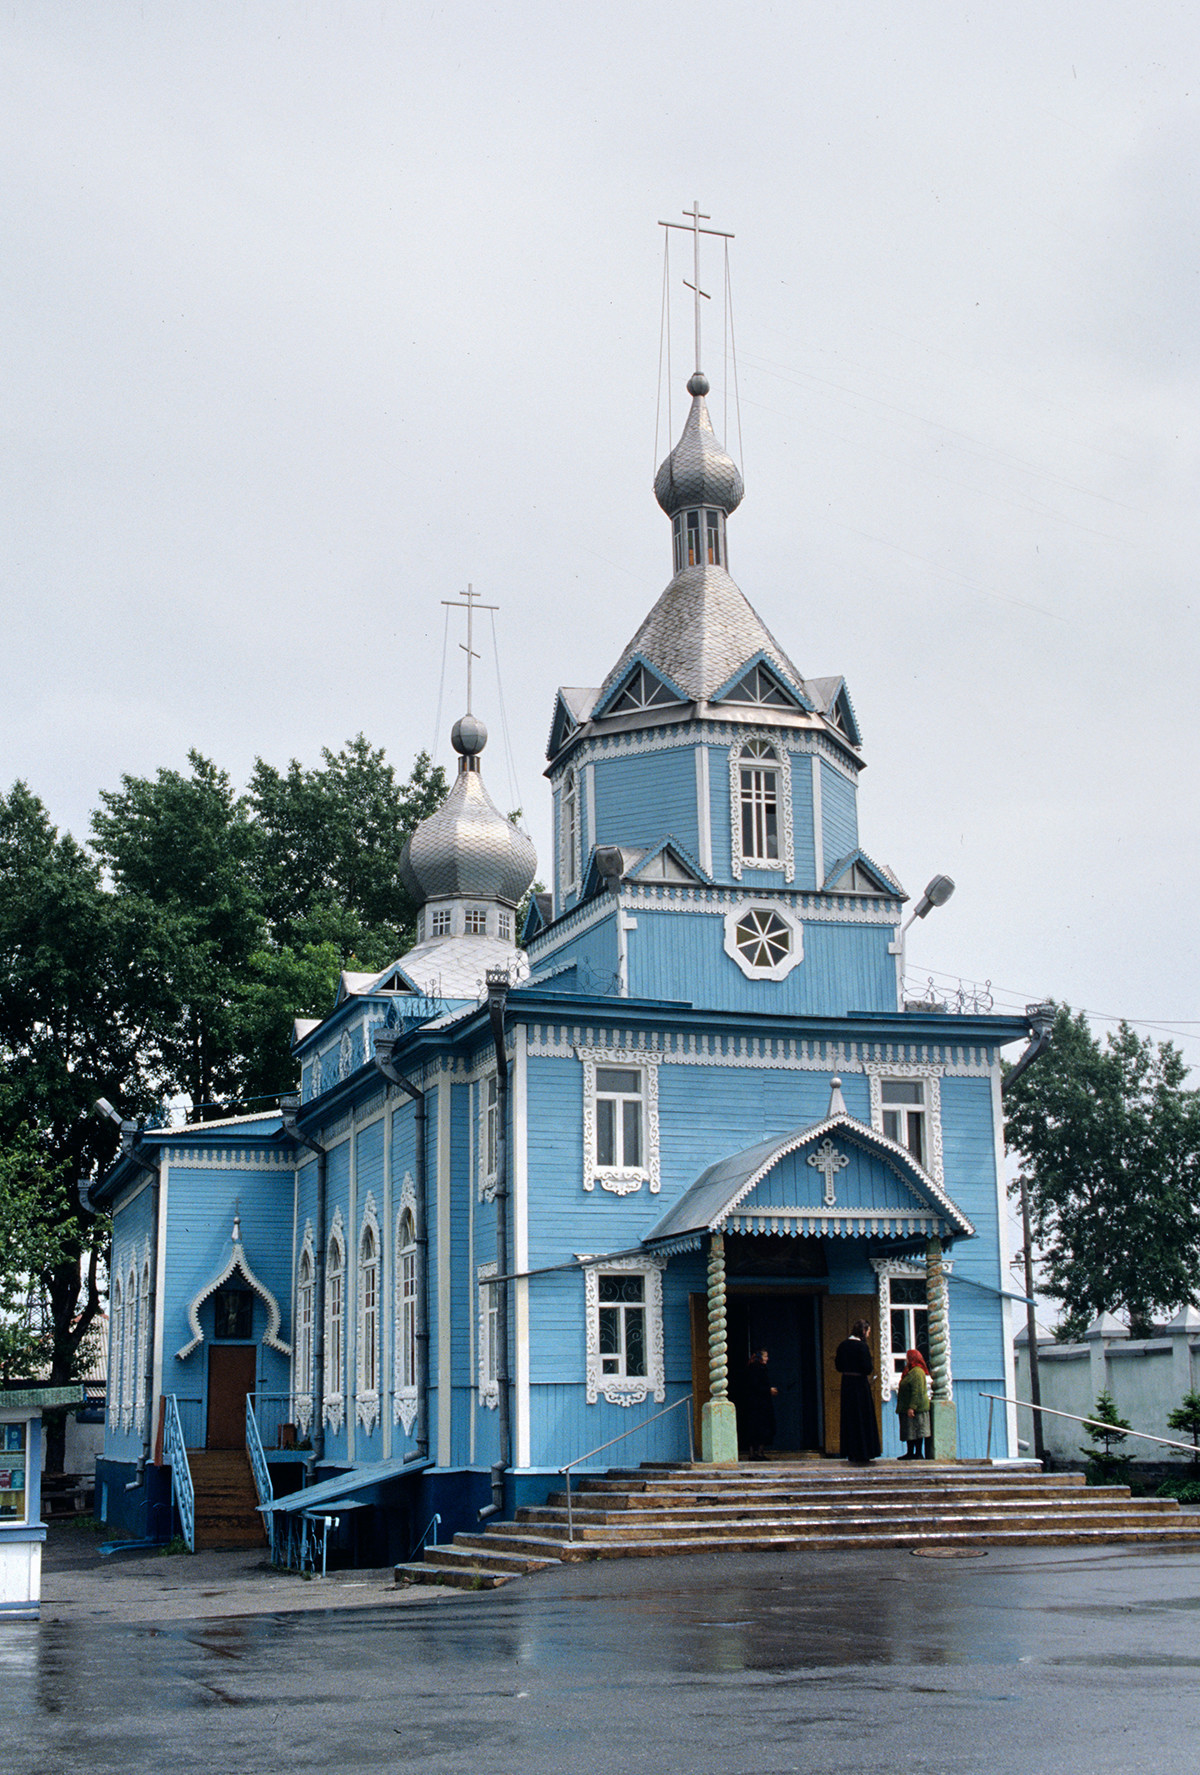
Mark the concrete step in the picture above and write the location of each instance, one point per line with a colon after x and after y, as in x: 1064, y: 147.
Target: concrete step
x: 821, y: 1542
x: 479, y: 1550
x: 611, y: 1523
x: 457, y: 1577
x: 736, y: 1497
x: 883, y: 1533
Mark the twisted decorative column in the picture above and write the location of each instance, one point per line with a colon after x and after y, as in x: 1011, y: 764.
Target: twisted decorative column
x: 945, y: 1435
x: 718, y: 1419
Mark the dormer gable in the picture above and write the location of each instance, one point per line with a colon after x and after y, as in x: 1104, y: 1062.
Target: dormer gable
x: 670, y: 862
x: 858, y: 874
x: 641, y: 689
x: 572, y: 707
x: 833, y: 702
x: 760, y: 684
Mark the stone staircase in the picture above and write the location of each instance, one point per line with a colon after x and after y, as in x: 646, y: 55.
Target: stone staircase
x: 806, y: 1507
x: 226, y: 1501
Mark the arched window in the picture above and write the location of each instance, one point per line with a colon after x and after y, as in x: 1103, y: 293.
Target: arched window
x: 129, y: 1354
x: 139, y: 1409
x: 368, y: 1314
x: 759, y: 774
x: 116, y: 1351
x: 568, y: 831
x: 404, y: 1316
x: 335, y: 1323
x: 302, y: 1405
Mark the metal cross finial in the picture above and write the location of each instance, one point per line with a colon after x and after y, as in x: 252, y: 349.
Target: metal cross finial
x: 694, y: 229
x: 470, y: 603
x: 829, y: 1161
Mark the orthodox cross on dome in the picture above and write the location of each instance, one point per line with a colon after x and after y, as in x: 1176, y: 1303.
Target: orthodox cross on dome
x: 470, y: 603
x: 829, y: 1161
x: 693, y: 228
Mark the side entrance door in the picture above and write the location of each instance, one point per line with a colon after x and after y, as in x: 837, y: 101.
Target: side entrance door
x: 231, y: 1372
x: 838, y: 1313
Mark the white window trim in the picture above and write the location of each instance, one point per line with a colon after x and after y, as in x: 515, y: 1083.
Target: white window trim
x: 785, y: 862
x: 487, y: 1178
x: 333, y: 1409
x: 568, y: 835
x: 366, y: 1399
x: 345, y: 1057
x: 128, y: 1353
x: 404, y: 1393
x: 878, y: 1070
x: 139, y: 1409
x: 302, y: 1369
x: 488, y: 1388
x: 116, y: 1350
x: 886, y: 1270
x: 781, y: 969
x: 621, y: 1181
x: 625, y: 1389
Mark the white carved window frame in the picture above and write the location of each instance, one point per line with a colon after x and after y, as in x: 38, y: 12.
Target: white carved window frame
x: 302, y: 1369
x: 116, y: 1350
x: 888, y: 1269
x: 487, y: 1377
x: 878, y: 1070
x: 621, y: 1180
x: 129, y: 1351
x: 368, y: 1342
x: 781, y: 969
x: 139, y: 1409
x: 333, y: 1408
x: 782, y: 765
x: 625, y: 1389
x: 489, y: 1110
x: 569, y: 860
x: 404, y: 1382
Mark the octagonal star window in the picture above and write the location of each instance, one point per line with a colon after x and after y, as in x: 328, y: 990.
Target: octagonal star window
x: 763, y: 938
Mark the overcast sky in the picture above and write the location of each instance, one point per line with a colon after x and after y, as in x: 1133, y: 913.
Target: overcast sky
x: 314, y: 312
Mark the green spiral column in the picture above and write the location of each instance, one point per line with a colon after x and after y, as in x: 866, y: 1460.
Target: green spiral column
x: 718, y: 1419
x: 945, y: 1429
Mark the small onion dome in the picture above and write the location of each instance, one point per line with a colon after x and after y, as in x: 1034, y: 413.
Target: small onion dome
x: 698, y: 471
x: 467, y: 849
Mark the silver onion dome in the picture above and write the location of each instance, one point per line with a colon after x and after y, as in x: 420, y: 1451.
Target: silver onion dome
x: 467, y: 849
x: 698, y: 471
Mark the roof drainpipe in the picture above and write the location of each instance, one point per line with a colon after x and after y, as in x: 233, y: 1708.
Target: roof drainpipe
x: 129, y: 1150
x: 289, y: 1111
x: 385, y: 1047
x: 497, y: 998
x: 1041, y: 1024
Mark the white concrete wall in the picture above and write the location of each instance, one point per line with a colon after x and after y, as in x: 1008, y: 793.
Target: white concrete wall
x: 1147, y: 1378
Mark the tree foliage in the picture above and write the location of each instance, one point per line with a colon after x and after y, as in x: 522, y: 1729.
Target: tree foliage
x: 1108, y: 1140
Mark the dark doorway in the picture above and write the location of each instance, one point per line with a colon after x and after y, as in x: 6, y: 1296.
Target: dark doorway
x: 231, y: 1370
x: 787, y: 1326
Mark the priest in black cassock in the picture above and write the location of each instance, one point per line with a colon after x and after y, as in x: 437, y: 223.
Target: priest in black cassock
x: 860, y: 1427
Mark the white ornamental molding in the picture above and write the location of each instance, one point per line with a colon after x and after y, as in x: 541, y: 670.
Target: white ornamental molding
x: 686, y: 738
x: 487, y: 1178
x: 626, y: 1389
x: 887, y: 1269
x: 368, y: 1340
x: 404, y: 1388
x: 782, y: 764
x: 129, y: 1356
x: 139, y: 1410
x: 755, y: 935
x: 931, y: 1072
x: 488, y: 1385
x: 829, y: 1161
x: 334, y: 1404
x: 302, y: 1373
x: 617, y: 1180
x: 116, y: 1335
x: 345, y: 1054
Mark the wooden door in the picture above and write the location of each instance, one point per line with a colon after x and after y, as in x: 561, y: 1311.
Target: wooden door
x: 231, y: 1371
x: 838, y: 1313
x: 701, y: 1391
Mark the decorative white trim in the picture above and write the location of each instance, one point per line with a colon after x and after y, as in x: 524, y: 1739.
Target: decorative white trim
x: 345, y: 1055
x: 487, y: 1386
x: 678, y: 738
x: 237, y: 1261
x: 202, y: 1159
x: 781, y: 969
x: 784, y: 864
x: 404, y: 1393
x: 617, y: 1180
x: 886, y: 1270
x: 116, y: 1347
x: 487, y: 1179
x: 128, y: 1353
x: 366, y: 1399
x: 877, y: 1071
x: 302, y: 1384
x: 818, y: 820
x: 567, y: 1041
x: 333, y: 1408
x: 703, y: 811
x: 139, y: 1410
x: 626, y: 1389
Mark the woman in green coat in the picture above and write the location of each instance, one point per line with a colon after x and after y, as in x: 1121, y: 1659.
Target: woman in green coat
x: 913, y: 1407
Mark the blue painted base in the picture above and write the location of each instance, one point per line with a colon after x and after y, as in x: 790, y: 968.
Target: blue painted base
x: 143, y: 1513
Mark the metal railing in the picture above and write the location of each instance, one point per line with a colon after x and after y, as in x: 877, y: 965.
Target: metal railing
x: 423, y: 1541
x: 259, y: 1468
x: 1117, y: 1434
x: 611, y: 1443
x: 191, y: 1419
x: 273, y: 1411
x: 183, y: 1492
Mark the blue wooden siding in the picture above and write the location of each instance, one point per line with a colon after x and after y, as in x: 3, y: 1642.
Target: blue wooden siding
x: 839, y: 814
x: 802, y: 821
x: 642, y: 799
x: 865, y: 1182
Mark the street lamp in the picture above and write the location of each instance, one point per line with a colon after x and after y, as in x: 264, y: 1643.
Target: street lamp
x: 937, y: 892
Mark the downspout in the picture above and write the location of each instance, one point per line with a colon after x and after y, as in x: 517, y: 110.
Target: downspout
x: 289, y: 1111
x: 385, y: 1047
x: 1041, y: 1024
x: 497, y: 998
x: 129, y: 1150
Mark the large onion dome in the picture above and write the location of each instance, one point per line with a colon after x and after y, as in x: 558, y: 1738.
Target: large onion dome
x: 698, y: 471
x: 467, y: 849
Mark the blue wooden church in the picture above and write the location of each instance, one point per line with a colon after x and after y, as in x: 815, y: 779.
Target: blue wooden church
x: 539, y: 1186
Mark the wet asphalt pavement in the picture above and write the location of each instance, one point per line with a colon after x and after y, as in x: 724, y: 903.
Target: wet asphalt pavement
x: 1049, y: 1661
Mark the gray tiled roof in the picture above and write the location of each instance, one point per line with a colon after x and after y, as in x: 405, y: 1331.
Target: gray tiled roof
x: 698, y: 471
x: 468, y: 848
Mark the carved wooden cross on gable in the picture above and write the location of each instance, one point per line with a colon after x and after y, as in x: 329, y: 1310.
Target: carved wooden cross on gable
x: 829, y: 1161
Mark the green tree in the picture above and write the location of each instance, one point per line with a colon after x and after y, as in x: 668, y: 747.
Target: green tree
x: 1104, y: 1467
x: 1108, y: 1140
x: 1186, y: 1416
x: 35, y: 1221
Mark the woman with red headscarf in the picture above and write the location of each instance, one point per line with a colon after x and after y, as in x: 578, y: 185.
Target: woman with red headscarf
x: 913, y: 1407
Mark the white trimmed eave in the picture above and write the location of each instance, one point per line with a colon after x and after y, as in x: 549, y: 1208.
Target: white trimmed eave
x: 237, y: 1261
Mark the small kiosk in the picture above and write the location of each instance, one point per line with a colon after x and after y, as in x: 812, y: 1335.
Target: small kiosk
x: 21, y: 1529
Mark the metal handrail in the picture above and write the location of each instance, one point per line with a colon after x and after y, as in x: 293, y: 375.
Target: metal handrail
x: 434, y: 1523
x: 183, y: 1492
x: 259, y: 1468
x: 632, y: 1431
x: 1117, y: 1434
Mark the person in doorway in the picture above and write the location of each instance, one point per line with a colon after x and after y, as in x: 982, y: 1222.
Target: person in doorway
x: 756, y: 1407
x: 860, y: 1427
x: 913, y: 1408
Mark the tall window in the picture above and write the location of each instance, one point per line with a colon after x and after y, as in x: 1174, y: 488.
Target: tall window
x: 619, y: 1141
x: 304, y: 1339
x: 504, y: 924
x: 116, y: 1351
x: 335, y: 1304
x: 568, y: 829
x: 904, y: 1114
x: 712, y: 528
x: 129, y: 1356
x: 622, y: 1324
x: 693, y: 539
x: 490, y: 1125
x: 489, y: 1337
x: 909, y: 1320
x: 407, y: 1319
x: 368, y: 1283
x: 139, y: 1410
x: 759, y: 771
